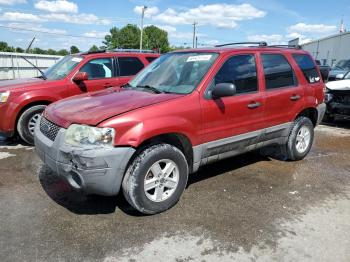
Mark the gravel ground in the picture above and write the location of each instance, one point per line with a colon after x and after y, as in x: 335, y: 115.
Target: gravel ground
x: 247, y: 208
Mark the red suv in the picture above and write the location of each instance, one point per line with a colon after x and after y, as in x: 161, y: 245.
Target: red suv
x: 22, y: 101
x: 187, y: 109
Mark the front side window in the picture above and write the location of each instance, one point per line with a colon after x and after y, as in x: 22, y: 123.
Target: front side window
x: 98, y: 68
x: 239, y: 70
x: 178, y: 72
x: 278, y: 72
x: 129, y: 66
x: 308, y: 68
x: 63, y: 67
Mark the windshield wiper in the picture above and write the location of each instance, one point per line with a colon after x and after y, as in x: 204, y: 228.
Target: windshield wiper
x: 41, y: 72
x: 155, y: 90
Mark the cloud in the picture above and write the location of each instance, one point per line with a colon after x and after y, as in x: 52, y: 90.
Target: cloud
x: 150, y: 11
x: 76, y: 19
x: 218, y: 15
x: 12, y: 2
x: 95, y: 34
x: 312, y: 28
x: 59, y: 6
x: 173, y: 33
x: 274, y: 39
x: 53, y: 17
x: 35, y: 27
x: 20, y: 17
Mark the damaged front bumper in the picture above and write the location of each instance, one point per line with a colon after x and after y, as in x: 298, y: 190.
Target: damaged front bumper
x: 93, y: 170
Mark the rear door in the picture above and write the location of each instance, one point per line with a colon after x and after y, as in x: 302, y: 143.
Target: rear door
x: 101, y: 73
x: 128, y: 67
x: 283, y: 94
x: 233, y: 123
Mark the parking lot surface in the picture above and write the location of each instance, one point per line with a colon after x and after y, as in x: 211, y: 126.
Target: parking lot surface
x: 247, y: 208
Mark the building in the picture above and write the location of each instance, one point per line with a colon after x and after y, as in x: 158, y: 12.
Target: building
x: 328, y: 50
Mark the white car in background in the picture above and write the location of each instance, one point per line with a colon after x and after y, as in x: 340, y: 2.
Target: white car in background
x: 337, y: 98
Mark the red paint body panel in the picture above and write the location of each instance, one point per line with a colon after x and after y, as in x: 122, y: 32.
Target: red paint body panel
x: 138, y: 116
x: 34, y: 90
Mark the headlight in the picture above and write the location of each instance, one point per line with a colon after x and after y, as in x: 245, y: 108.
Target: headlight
x: 4, y: 96
x: 328, y: 97
x: 80, y: 135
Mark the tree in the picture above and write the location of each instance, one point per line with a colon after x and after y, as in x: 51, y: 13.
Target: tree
x: 4, y: 47
x: 94, y: 48
x: 112, y: 40
x: 51, y: 52
x: 38, y: 50
x: 74, y: 49
x: 19, y: 50
x: 62, y: 52
x: 156, y: 39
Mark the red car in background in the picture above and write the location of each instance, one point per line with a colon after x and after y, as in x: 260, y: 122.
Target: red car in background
x: 23, y: 100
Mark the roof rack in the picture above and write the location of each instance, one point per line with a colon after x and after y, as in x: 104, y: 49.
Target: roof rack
x: 93, y: 52
x: 286, y: 46
x: 134, y: 50
x: 244, y: 43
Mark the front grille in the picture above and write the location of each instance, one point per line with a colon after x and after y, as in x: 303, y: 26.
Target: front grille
x: 49, y: 129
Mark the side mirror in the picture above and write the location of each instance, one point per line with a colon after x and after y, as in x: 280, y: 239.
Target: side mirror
x: 223, y: 89
x: 80, y: 77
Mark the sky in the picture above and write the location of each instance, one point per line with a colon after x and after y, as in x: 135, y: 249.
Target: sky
x: 61, y: 23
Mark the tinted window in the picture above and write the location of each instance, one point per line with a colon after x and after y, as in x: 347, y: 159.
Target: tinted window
x: 98, y: 68
x: 307, y: 67
x: 151, y: 59
x: 277, y: 70
x: 241, y: 71
x: 129, y: 66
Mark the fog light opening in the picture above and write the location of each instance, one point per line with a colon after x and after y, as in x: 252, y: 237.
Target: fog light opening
x: 75, y: 181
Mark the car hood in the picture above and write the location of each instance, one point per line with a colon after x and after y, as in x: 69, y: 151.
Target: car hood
x: 94, y: 108
x: 19, y: 83
x: 341, y: 85
x: 335, y: 72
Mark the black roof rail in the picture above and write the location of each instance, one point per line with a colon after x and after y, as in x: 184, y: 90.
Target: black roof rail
x: 286, y: 46
x: 262, y: 43
x: 93, y: 52
x: 134, y: 50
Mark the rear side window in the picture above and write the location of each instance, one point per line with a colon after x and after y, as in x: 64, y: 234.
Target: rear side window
x: 308, y: 67
x: 150, y: 59
x: 278, y: 72
x: 129, y: 66
x: 239, y: 70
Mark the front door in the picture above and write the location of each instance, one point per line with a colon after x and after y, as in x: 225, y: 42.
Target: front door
x: 234, y: 123
x: 128, y: 67
x: 101, y: 75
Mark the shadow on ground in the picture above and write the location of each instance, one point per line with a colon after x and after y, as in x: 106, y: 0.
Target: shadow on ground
x: 79, y: 203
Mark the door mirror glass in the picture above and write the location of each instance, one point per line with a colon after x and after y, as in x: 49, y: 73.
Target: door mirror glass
x: 223, y: 90
x: 80, y: 77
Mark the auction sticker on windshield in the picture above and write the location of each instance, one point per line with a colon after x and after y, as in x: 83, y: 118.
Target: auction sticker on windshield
x: 199, y: 58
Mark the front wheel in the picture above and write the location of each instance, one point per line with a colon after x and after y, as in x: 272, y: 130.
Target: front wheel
x: 27, y: 122
x: 300, y: 139
x: 155, y: 179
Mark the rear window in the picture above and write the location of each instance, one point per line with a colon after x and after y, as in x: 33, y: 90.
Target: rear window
x: 278, y: 72
x: 150, y: 59
x: 129, y: 66
x: 308, y: 67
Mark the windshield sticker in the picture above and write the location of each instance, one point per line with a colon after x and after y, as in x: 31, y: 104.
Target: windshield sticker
x: 199, y: 58
x: 77, y: 59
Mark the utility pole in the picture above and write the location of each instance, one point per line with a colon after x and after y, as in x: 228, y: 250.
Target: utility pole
x: 194, y: 33
x: 196, y: 41
x: 142, y: 17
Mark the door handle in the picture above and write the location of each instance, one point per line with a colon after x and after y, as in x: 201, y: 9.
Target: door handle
x: 254, y: 105
x: 295, y: 97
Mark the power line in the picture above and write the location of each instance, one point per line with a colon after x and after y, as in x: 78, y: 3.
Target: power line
x: 48, y: 32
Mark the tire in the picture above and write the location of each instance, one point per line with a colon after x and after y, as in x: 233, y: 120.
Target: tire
x: 139, y: 175
x: 27, y: 121
x: 298, y: 147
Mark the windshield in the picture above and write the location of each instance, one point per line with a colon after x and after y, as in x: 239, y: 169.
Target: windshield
x: 63, y: 67
x: 178, y: 73
x: 343, y: 65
